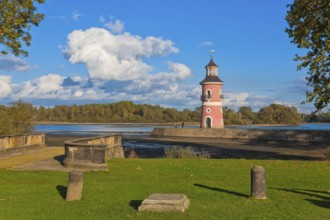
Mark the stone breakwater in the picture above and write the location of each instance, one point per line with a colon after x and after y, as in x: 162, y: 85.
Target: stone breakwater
x: 248, y: 134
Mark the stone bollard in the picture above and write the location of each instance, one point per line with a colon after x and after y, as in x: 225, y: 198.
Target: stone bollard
x: 75, y: 186
x: 258, y: 182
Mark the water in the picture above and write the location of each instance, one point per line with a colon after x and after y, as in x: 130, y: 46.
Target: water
x: 147, y: 128
x: 306, y: 126
x: 130, y: 131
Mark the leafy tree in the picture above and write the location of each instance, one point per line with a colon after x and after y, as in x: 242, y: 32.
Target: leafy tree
x: 278, y: 114
x: 309, y: 28
x: 321, y: 116
x: 16, y: 19
x: 232, y: 117
x: 16, y: 119
x: 247, y: 113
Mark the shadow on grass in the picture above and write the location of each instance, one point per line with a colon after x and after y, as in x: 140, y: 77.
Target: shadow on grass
x: 222, y: 190
x: 62, y: 190
x: 325, y: 197
x: 135, y: 204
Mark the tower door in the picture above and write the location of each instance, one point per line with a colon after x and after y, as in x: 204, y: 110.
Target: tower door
x: 208, y: 122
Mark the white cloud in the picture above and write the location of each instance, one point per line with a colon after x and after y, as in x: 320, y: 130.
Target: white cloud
x: 76, y: 15
x: 49, y: 83
x: 206, y: 44
x: 114, y: 57
x: 5, y: 86
x: 47, y: 86
x: 163, y: 80
x: 13, y: 63
x: 115, y: 27
x: 238, y: 99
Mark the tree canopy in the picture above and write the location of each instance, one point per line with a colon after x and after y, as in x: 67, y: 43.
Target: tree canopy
x: 309, y: 28
x: 16, y: 119
x: 278, y: 114
x: 16, y: 19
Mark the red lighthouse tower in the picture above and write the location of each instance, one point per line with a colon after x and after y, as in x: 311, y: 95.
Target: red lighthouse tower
x: 211, y: 115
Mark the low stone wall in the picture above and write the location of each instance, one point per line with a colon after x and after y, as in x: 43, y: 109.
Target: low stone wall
x: 92, y: 153
x: 276, y: 135
x: 19, y: 142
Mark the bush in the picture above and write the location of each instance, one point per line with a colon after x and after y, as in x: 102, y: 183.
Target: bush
x: 185, y: 152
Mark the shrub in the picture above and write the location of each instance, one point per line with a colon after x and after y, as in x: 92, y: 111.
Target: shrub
x: 185, y: 152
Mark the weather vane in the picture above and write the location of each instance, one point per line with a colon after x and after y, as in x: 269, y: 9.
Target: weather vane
x: 212, y: 51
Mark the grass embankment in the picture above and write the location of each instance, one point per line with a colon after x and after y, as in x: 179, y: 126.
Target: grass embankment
x: 218, y: 189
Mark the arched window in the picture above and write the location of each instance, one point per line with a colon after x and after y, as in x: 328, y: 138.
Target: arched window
x: 208, y: 123
x: 208, y: 94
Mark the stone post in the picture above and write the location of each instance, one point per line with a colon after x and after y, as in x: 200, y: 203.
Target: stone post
x: 258, y: 182
x: 75, y: 186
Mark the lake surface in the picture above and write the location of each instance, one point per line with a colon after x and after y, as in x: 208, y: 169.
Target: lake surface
x: 147, y: 128
x: 130, y: 131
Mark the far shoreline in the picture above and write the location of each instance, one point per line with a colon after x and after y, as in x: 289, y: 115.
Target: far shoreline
x: 112, y: 123
x: 164, y: 123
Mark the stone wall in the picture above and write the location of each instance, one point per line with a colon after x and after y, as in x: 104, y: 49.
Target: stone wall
x: 92, y: 153
x: 18, y: 142
x: 276, y: 135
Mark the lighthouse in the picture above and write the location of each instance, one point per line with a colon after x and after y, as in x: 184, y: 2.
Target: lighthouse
x: 211, y: 111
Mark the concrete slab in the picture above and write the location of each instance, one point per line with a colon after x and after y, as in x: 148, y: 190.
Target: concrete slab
x: 165, y: 203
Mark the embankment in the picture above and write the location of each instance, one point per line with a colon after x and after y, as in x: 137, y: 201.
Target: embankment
x: 269, y: 135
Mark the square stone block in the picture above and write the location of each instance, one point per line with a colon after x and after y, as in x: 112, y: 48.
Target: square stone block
x: 164, y: 203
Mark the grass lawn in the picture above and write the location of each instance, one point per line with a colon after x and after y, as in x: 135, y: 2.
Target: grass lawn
x: 217, y: 189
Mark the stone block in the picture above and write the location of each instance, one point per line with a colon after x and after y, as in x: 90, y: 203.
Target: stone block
x: 75, y: 186
x: 165, y: 203
x: 258, y: 182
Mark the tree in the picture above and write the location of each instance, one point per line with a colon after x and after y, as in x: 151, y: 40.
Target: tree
x: 16, y: 119
x: 16, y: 19
x: 309, y: 28
x: 278, y: 114
x: 247, y: 113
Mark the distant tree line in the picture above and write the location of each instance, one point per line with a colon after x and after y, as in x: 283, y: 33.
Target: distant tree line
x: 273, y: 114
x: 124, y: 111
x: 17, y: 117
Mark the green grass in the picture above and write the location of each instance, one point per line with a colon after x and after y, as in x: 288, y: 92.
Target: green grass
x: 218, y: 189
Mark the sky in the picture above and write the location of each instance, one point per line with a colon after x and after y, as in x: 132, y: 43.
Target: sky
x: 155, y: 52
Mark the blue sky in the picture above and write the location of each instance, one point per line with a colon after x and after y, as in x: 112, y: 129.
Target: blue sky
x: 154, y: 52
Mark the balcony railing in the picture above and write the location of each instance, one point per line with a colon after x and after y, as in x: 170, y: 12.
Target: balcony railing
x: 209, y: 97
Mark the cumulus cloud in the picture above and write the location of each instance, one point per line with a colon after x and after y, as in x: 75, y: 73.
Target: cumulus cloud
x: 5, y: 86
x: 114, y: 57
x: 164, y: 80
x: 68, y: 81
x: 238, y: 99
x: 47, y: 86
x: 13, y: 63
x: 115, y: 27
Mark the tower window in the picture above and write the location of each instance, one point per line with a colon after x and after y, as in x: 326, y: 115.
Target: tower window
x: 208, y: 96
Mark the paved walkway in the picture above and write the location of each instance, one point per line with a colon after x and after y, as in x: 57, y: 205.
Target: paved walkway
x: 48, y: 158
